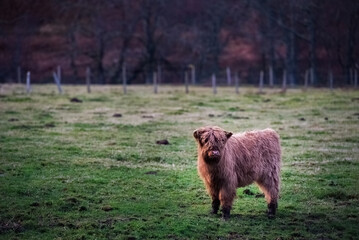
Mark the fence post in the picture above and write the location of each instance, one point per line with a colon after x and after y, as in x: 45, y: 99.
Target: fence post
x: 229, y: 79
x: 284, y: 81
x: 57, y: 81
x: 306, y: 76
x: 236, y: 80
x: 330, y: 78
x: 88, y: 79
x: 124, y: 78
x: 311, y: 76
x: 351, y: 76
x: 59, y: 73
x: 28, y: 83
x: 159, y: 74
x: 186, y: 81
x: 155, y: 90
x: 261, y: 77
x: 214, y: 84
x: 18, y: 74
x: 193, y: 74
x: 271, y: 77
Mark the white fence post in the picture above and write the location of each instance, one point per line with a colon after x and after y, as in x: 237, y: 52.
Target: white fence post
x: 311, y: 76
x: 236, y: 80
x: 330, y: 78
x: 155, y: 87
x: 284, y: 81
x: 28, y: 83
x: 59, y: 73
x: 193, y: 74
x: 214, y: 86
x: 271, y: 77
x: 57, y: 81
x: 186, y: 81
x: 229, y: 78
x: 19, y: 75
x: 124, y: 78
x: 88, y: 79
x: 261, y: 77
x: 306, y: 78
x: 159, y: 74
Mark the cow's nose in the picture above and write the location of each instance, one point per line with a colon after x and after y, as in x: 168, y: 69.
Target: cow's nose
x: 215, y: 153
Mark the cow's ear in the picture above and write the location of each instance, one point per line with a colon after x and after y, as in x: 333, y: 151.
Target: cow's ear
x: 197, y: 133
x: 228, y: 134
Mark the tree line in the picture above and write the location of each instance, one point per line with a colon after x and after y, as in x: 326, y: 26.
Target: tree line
x: 305, y: 39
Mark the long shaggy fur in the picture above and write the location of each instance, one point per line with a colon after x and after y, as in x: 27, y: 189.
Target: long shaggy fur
x: 227, y: 162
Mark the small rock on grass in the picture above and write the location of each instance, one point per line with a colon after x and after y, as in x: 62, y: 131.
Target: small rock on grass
x: 163, y: 142
x: 117, y: 115
x: 49, y: 125
x: 75, y: 100
x: 107, y: 208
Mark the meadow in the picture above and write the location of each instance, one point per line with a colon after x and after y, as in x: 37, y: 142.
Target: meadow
x: 91, y: 168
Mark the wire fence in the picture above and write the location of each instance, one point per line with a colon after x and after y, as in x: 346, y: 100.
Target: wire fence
x: 191, y: 76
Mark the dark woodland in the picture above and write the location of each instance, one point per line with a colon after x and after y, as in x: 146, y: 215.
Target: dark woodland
x: 307, y: 37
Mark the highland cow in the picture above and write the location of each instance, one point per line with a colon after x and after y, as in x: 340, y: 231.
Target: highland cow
x: 227, y: 162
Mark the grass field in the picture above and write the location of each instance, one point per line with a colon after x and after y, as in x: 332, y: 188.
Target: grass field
x: 71, y: 170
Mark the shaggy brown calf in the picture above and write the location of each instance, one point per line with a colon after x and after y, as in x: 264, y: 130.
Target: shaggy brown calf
x: 227, y: 162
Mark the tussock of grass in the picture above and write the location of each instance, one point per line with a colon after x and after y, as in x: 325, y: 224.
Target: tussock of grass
x: 74, y: 171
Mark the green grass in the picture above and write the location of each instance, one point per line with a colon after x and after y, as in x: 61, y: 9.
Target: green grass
x: 74, y: 171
